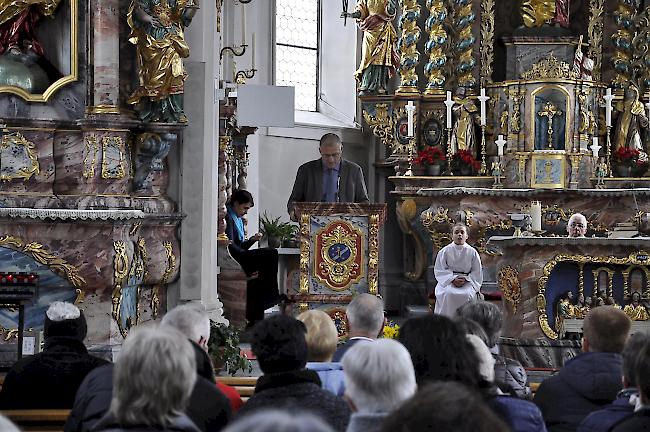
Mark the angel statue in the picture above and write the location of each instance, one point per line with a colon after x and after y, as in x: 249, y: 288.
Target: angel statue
x: 379, y: 58
x: 536, y: 13
x: 157, y: 32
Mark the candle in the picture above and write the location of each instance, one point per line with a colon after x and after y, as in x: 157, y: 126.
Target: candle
x: 253, y: 46
x: 243, y: 25
x: 536, y: 215
x: 449, y: 102
x: 410, y: 110
x: 500, y: 142
x: 483, y: 98
x: 608, y: 107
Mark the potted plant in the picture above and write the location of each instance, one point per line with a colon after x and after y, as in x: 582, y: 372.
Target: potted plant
x: 291, y: 238
x: 463, y: 163
x: 430, y: 158
x: 223, y: 347
x: 273, y: 230
x: 630, y: 162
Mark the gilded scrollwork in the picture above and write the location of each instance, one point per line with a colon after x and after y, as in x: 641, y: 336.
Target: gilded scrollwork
x: 142, y: 248
x: 373, y: 253
x: 338, y: 256
x: 80, y: 296
x: 509, y: 284
x: 171, y: 262
x: 587, y: 119
x: 18, y: 158
x: 595, y: 34
x: 155, y: 301
x: 90, y: 156
x: 641, y: 55
x: 465, y: 63
x: 120, y: 272
x: 381, y: 124
x: 640, y: 258
x: 407, y: 47
x: 304, y: 254
x: 487, y: 40
x: 517, y: 96
x: 398, y: 148
x: 550, y: 68
x: 624, y: 17
x: 435, y: 27
x: 113, y: 163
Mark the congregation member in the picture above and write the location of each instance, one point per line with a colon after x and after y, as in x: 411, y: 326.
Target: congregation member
x: 273, y: 420
x: 444, y: 407
x: 379, y: 377
x: 510, y: 375
x: 322, y: 337
x: 280, y: 346
x: 328, y: 179
x: 208, y: 408
x: 153, y: 380
x: 625, y: 402
x: 365, y: 319
x: 640, y: 420
x: 458, y: 273
x: 260, y: 265
x: 590, y: 380
x: 577, y: 225
x: 50, y: 379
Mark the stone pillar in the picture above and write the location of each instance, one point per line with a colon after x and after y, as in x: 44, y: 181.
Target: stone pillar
x: 105, y: 57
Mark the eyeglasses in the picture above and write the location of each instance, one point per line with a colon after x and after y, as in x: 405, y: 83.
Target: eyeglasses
x: 331, y: 155
x: 576, y: 225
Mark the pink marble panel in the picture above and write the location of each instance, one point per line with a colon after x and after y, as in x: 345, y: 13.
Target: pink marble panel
x: 40, y: 182
x: 106, y: 52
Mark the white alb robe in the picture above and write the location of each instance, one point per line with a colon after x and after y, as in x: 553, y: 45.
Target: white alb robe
x: 451, y: 261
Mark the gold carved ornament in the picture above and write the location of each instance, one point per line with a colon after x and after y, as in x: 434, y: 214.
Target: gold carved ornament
x: 428, y: 218
x: 510, y: 286
x: 550, y: 68
x: 487, y: 40
x: 515, y: 119
x: 396, y: 147
x: 107, y: 168
x: 171, y: 262
x: 24, y: 173
x: 405, y: 213
x: 641, y: 258
x: 435, y: 26
x: 536, y: 13
x: 407, y: 47
x: 465, y: 63
x: 91, y: 148
x: 595, y: 35
x: 304, y: 253
x: 381, y: 124
x: 340, y: 321
x: 339, y: 275
x: 373, y: 254
x: 120, y: 272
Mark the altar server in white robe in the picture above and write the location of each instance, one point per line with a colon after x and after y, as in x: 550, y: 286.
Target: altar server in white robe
x: 458, y: 272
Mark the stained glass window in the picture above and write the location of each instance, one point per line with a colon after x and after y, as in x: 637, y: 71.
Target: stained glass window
x: 296, y: 49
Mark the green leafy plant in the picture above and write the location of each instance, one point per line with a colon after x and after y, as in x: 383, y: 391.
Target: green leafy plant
x: 223, y: 347
x: 272, y: 228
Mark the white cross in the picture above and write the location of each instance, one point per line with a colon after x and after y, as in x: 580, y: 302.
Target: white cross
x: 608, y: 107
x: 595, y: 147
x: 483, y: 98
x: 500, y: 142
x: 410, y: 110
x: 449, y: 102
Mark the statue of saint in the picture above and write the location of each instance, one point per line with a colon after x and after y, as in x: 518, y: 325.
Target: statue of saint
x: 466, y: 114
x: 379, y: 58
x: 636, y: 310
x: 18, y: 20
x: 536, y: 13
x: 632, y: 121
x: 157, y: 31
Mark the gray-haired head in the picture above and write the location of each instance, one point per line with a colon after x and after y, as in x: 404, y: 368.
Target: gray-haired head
x: 577, y: 225
x: 153, y: 377
x: 191, y: 320
x: 379, y: 375
x: 487, y: 315
x: 63, y: 319
x: 6, y: 425
x: 365, y: 315
x: 630, y: 353
x: 276, y: 420
x: 471, y: 327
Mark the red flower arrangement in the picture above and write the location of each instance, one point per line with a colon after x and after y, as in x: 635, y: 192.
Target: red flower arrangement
x: 464, y: 158
x: 429, y: 156
x: 628, y: 156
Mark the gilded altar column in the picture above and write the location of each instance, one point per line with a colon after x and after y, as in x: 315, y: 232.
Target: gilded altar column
x: 407, y: 47
x: 464, y: 17
x: 105, y: 42
x: 624, y: 17
x: 437, y: 59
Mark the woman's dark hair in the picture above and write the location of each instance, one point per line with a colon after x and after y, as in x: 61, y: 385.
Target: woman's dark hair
x: 241, y: 196
x: 280, y: 344
x: 439, y: 351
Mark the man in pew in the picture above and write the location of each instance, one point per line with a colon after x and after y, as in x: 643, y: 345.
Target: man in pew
x: 590, y: 380
x: 208, y: 408
x: 50, y: 379
x: 365, y: 317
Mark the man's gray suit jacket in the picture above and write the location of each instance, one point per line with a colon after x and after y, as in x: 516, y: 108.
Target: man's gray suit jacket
x: 308, y: 186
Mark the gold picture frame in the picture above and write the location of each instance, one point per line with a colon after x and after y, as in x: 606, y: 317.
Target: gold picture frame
x: 72, y: 7
x: 553, y: 173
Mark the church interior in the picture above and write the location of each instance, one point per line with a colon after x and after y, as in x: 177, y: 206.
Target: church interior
x: 144, y: 143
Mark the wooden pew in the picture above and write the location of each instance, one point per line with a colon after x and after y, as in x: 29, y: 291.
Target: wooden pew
x: 38, y: 420
x: 245, y: 386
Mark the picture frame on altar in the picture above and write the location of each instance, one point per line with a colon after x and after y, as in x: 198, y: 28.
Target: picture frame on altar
x: 548, y: 171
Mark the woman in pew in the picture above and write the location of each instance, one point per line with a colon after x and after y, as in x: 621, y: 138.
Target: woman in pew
x: 260, y: 265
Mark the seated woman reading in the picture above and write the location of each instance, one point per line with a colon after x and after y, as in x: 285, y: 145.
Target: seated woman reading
x: 261, y: 265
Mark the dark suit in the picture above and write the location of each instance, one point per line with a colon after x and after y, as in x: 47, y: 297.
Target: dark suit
x: 338, y: 355
x: 308, y: 186
x: 261, y: 292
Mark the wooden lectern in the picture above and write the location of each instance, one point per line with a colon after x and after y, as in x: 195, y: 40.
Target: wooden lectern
x: 339, y: 255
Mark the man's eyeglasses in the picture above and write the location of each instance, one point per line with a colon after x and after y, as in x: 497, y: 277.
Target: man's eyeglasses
x: 332, y: 155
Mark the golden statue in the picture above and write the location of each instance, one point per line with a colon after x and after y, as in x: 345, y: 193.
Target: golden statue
x: 636, y: 310
x: 379, y: 59
x: 536, y: 13
x: 631, y: 121
x: 157, y: 31
x: 18, y: 20
x: 465, y: 111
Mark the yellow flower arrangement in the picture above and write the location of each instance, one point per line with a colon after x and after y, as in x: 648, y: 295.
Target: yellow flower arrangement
x: 391, y: 331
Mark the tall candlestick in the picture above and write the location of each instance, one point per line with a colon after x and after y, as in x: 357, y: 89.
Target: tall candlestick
x: 608, y: 107
x: 500, y: 142
x: 253, y: 46
x: 449, y: 103
x: 483, y: 98
x: 243, y: 24
x: 536, y: 215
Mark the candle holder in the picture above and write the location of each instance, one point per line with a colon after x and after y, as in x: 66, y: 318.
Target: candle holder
x: 483, y: 169
x: 449, y: 153
x: 242, y: 75
x: 233, y: 50
x: 608, y: 152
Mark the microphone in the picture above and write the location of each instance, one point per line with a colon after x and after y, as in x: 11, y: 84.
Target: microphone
x: 338, y: 185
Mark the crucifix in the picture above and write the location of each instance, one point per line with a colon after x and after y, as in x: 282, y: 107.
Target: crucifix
x: 549, y: 111
x: 410, y: 110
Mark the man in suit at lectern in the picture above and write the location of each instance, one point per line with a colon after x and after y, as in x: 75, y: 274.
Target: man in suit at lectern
x: 328, y: 179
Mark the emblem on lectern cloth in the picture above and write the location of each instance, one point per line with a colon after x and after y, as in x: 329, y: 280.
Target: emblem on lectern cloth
x: 338, y: 261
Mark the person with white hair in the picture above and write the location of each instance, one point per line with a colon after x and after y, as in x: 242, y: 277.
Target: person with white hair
x: 379, y: 376
x: 365, y: 318
x: 577, y: 225
x: 50, y: 379
x: 274, y: 420
x: 152, y: 383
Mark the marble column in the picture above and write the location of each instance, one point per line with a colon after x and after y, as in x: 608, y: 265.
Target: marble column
x: 105, y: 35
